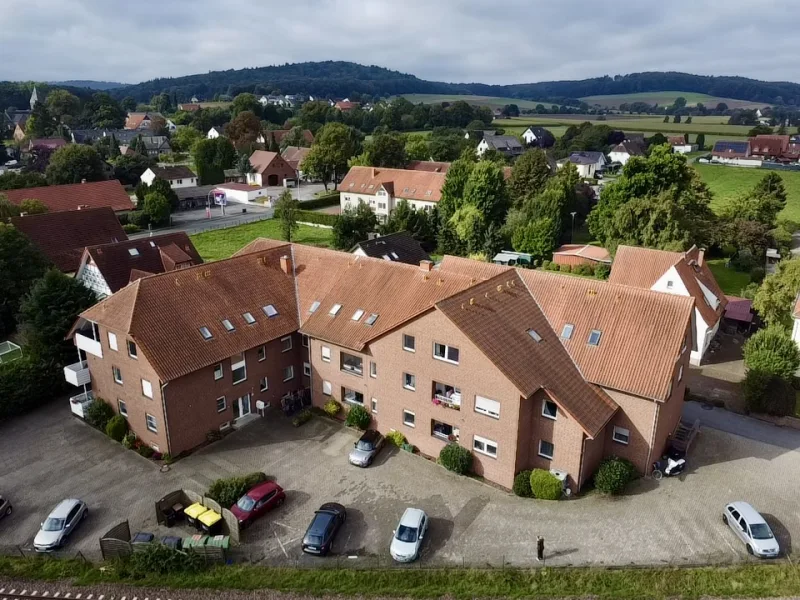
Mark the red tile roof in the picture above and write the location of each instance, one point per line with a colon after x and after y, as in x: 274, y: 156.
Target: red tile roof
x: 739, y: 309
x: 76, y: 195
x: 62, y: 236
x: 411, y: 185
x: 585, y: 251
x: 428, y: 165
x: 261, y: 160
x: 769, y: 145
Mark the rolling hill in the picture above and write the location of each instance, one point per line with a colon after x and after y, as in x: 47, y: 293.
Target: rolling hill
x: 90, y: 84
x: 667, y: 98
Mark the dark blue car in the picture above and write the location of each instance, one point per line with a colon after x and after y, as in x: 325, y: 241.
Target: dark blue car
x: 323, y: 528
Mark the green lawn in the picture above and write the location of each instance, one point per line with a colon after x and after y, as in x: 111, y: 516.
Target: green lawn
x: 667, y: 98
x: 490, y: 101
x: 222, y: 243
x: 727, y: 182
x: 648, y: 124
x: 743, y: 581
x: 730, y: 280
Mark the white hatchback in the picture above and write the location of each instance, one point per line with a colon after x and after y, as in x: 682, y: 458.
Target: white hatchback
x: 407, y: 538
x: 752, y: 529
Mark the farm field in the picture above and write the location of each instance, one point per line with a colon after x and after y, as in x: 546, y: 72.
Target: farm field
x: 667, y: 98
x: 727, y: 182
x: 651, y: 124
x: 490, y: 101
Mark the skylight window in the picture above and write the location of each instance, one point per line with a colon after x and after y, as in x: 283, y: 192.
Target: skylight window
x: 394, y: 254
x: 534, y: 335
x: 314, y: 307
x: 357, y: 315
x: 228, y: 325
x: 594, y: 337
x: 566, y: 332
x: 371, y: 319
x: 206, y: 333
x: 335, y: 310
x: 269, y: 310
x: 152, y: 244
x: 133, y: 252
x: 249, y: 318
x: 387, y: 257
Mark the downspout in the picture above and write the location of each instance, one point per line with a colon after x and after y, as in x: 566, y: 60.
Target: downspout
x: 166, y: 422
x: 580, y: 466
x: 652, y: 437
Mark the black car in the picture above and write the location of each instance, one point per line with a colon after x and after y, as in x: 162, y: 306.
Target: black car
x: 323, y: 528
x: 5, y: 507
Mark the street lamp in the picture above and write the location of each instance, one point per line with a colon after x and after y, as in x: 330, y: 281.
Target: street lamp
x: 572, y: 231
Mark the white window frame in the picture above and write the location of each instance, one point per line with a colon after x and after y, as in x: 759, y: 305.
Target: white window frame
x: 112, y: 341
x: 486, y: 411
x: 307, y: 369
x: 374, y: 406
x: 447, y: 349
x: 291, y: 373
x: 305, y: 341
x: 625, y: 433
x: 224, y: 404
x: 147, y: 389
x: 219, y: 371
x: 412, y: 387
x: 567, y: 331
x: 327, y: 388
x: 353, y: 371
x: 135, y: 354
x: 373, y: 369
x: 286, y: 348
x: 599, y: 337
x: 122, y: 407
x: 114, y: 372
x: 353, y: 402
x: 413, y: 346
x: 326, y: 354
x: 539, y: 449
x: 147, y: 418
x: 413, y: 424
x: 545, y: 402
x: 481, y: 445
x: 238, y: 365
x: 262, y: 353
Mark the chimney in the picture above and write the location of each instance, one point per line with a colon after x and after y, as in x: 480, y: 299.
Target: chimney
x: 700, y: 255
x: 83, y: 181
x: 286, y: 264
x: 426, y: 265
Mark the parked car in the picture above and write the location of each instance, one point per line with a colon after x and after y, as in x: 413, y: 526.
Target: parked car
x: 257, y: 502
x: 752, y: 529
x: 59, y: 525
x: 407, y: 538
x: 5, y: 507
x: 323, y: 528
x: 366, y: 448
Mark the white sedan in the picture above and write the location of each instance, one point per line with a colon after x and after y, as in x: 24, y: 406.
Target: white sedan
x: 407, y: 538
x: 752, y: 529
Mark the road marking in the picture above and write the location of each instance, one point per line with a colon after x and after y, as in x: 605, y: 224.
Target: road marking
x: 725, y: 539
x: 284, y: 525
x: 286, y: 554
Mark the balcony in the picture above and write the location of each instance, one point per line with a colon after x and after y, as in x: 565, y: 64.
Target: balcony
x: 444, y: 431
x: 447, y: 396
x: 351, y: 364
x: 77, y: 373
x: 78, y: 404
x: 89, y: 345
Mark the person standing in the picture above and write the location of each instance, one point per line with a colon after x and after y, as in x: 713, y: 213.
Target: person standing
x: 539, y: 548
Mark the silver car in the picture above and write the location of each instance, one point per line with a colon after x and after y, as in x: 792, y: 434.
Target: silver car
x: 61, y: 522
x: 407, y: 538
x: 366, y: 448
x: 752, y: 529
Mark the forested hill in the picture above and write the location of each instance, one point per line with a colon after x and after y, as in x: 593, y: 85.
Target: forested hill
x: 89, y: 83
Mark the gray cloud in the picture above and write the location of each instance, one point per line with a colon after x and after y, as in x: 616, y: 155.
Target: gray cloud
x: 514, y: 41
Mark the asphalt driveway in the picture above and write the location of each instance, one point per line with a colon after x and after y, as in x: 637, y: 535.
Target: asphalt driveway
x: 49, y: 455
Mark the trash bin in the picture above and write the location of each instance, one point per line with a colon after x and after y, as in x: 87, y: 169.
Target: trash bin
x: 194, y: 541
x: 171, y: 541
x: 142, y: 537
x: 219, y: 541
x: 194, y: 511
x: 210, y: 522
x: 169, y: 517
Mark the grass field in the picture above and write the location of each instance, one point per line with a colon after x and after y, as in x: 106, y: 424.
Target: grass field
x: 490, y: 101
x: 650, y: 124
x: 222, y: 243
x: 730, y: 280
x: 667, y: 98
x: 727, y: 182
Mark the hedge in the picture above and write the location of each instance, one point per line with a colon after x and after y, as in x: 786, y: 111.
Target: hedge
x: 99, y: 414
x: 613, y: 475
x: 228, y: 491
x: 522, y: 485
x: 358, y: 417
x: 456, y: 458
x: 27, y: 383
x: 117, y: 427
x: 396, y: 438
x: 319, y: 218
x: 330, y: 199
x: 545, y: 485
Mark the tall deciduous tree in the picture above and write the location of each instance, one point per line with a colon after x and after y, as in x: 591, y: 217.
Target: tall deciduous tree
x: 211, y: 158
x: 417, y: 147
x: 244, y: 129
x: 185, y: 138
x: 20, y: 265
x: 772, y: 350
x: 243, y: 103
x: 387, y: 150
x: 157, y: 207
x: 528, y: 176
x: 774, y: 300
x: 334, y: 145
x: 74, y: 163
x: 17, y: 181
x: 63, y: 106
x: 353, y: 226
x: 286, y: 212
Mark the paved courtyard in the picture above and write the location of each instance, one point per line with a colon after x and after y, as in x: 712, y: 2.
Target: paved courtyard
x: 49, y: 455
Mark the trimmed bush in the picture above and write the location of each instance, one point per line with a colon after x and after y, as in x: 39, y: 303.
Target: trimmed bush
x: 565, y: 268
x: 757, y: 274
x: 396, y: 438
x: 613, y: 475
x: 358, y: 417
x: 130, y: 228
x: 456, y: 458
x: 145, y: 451
x: 769, y: 394
x: 138, y: 218
x: 228, y: 491
x: 582, y: 270
x: 522, y: 485
x: 99, y: 414
x: 29, y: 382
x: 116, y: 428
x: 320, y: 218
x: 303, y: 418
x: 546, y: 264
x: 329, y: 199
x: 602, y: 271
x: 332, y: 407
x: 129, y: 440
x: 773, y: 351
x: 545, y: 486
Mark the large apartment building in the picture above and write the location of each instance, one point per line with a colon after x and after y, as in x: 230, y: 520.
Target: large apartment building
x: 525, y: 368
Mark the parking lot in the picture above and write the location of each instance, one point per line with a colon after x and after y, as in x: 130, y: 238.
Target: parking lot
x: 49, y: 455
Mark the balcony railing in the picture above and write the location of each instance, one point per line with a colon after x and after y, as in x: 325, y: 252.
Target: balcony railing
x: 78, y: 404
x: 89, y: 345
x: 350, y: 368
x: 77, y: 373
x: 452, y: 401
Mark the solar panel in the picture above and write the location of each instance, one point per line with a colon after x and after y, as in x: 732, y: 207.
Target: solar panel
x: 738, y: 147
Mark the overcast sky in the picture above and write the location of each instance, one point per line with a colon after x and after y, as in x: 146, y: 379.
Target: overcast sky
x: 512, y: 41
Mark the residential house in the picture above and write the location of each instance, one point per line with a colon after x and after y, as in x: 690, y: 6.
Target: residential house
x: 526, y: 369
x: 680, y: 145
x: 20, y: 126
x: 622, y: 152
x: 106, y: 268
x: 769, y: 147
x: 76, y: 196
x: 679, y: 273
x: 397, y: 247
x: 538, y: 136
x: 346, y: 106
x: 507, y: 145
x: 234, y: 176
x: 51, y: 143
x: 478, y: 134
x: 12, y: 116
x: 382, y: 189
x: 581, y: 254
x: 62, y: 236
x: 587, y: 163
x: 189, y: 106
x: 141, y: 120
x: 243, y: 193
x: 269, y: 169
x: 428, y: 165
x: 279, y: 134
x: 735, y: 153
x: 156, y: 145
x: 178, y: 176
x: 216, y: 132
x: 295, y: 155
